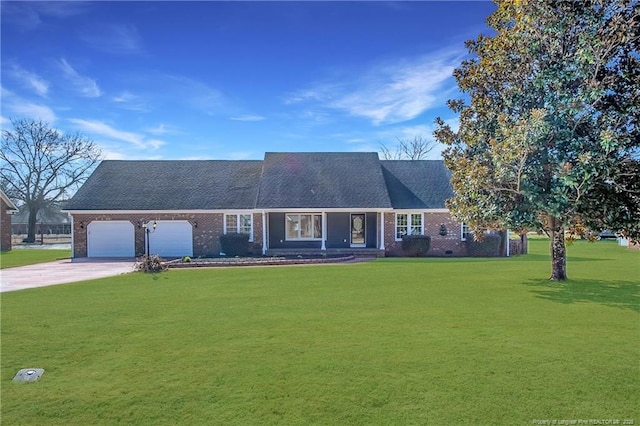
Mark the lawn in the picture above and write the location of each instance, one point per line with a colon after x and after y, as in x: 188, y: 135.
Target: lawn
x: 394, y: 341
x: 21, y: 257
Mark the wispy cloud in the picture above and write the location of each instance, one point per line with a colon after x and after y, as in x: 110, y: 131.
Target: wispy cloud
x: 103, y: 129
x: 22, y: 108
x: 99, y: 128
x: 195, y: 94
x: 248, y: 118
x: 388, y: 93
x: 163, y: 129
x: 114, y: 38
x: 83, y: 84
x: 131, y: 102
x: 29, y: 79
x: 29, y: 15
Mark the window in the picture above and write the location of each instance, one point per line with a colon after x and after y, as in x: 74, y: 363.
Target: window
x: 303, y: 226
x: 408, y: 224
x: 240, y: 223
x: 464, y: 232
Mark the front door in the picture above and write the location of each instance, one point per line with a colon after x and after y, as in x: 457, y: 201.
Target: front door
x: 358, y: 230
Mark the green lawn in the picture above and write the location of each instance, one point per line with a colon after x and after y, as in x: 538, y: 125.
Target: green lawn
x: 21, y: 257
x: 395, y: 341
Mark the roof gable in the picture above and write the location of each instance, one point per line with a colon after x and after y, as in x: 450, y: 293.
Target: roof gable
x: 322, y: 180
x: 417, y: 184
x: 169, y: 185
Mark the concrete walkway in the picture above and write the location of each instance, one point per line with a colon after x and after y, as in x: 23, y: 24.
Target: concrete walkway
x: 62, y: 271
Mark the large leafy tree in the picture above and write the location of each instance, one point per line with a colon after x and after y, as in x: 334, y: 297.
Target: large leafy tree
x: 549, y: 136
x: 40, y: 166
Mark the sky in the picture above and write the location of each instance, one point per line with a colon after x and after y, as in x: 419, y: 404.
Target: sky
x: 233, y: 80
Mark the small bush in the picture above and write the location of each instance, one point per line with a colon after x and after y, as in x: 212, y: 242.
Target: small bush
x: 489, y: 246
x: 416, y: 245
x: 234, y: 244
x: 153, y: 263
x: 186, y: 259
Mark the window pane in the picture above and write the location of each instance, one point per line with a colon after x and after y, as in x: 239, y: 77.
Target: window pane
x: 306, y: 226
x: 293, y: 226
x: 232, y: 223
x: 317, y: 227
x: 245, y: 224
x: 401, y: 225
x: 416, y: 224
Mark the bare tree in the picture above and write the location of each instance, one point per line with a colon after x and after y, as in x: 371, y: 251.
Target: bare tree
x: 408, y: 149
x: 39, y: 165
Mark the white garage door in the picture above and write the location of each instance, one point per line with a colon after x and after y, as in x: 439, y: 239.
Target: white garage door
x: 110, y: 239
x: 172, y: 238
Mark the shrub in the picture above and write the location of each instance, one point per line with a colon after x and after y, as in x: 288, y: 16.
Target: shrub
x: 186, y: 259
x: 416, y: 245
x: 489, y: 246
x: 153, y: 263
x: 234, y: 244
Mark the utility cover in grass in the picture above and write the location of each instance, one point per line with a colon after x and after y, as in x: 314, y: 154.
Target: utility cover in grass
x: 28, y: 375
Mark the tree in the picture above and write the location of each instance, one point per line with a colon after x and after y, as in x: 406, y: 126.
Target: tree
x: 39, y: 165
x: 408, y: 149
x: 549, y: 135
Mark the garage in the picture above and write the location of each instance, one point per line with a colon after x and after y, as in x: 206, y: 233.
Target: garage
x: 110, y: 239
x: 171, y: 238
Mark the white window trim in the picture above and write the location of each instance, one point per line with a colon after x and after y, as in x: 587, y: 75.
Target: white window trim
x: 237, y: 215
x: 286, y: 236
x: 408, y: 214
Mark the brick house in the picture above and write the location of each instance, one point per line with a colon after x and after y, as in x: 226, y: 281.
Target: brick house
x: 288, y: 203
x: 7, y: 208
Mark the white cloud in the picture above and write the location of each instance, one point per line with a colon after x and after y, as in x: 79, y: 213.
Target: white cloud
x: 155, y: 143
x: 195, y: 94
x: 114, y: 38
x: 129, y: 101
x: 103, y: 129
x: 248, y: 118
x: 83, y: 84
x: 30, y: 80
x: 31, y: 110
x: 390, y: 93
x: 163, y: 129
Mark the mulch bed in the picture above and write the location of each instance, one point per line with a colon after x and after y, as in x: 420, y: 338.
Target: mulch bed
x: 255, y: 261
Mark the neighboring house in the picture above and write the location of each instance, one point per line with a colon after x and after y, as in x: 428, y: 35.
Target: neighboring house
x: 288, y: 203
x: 49, y: 221
x: 7, y: 208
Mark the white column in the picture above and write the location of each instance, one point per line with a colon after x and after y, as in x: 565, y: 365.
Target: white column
x: 381, y: 230
x: 507, y: 237
x: 324, y: 231
x: 73, y: 234
x: 264, y: 233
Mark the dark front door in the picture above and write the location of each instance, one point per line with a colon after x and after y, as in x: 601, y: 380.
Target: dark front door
x: 358, y: 230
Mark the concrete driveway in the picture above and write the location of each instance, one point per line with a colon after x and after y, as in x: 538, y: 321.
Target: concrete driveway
x: 62, y: 271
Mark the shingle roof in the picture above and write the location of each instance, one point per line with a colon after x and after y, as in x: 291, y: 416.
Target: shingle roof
x: 423, y: 184
x: 322, y: 180
x: 169, y: 185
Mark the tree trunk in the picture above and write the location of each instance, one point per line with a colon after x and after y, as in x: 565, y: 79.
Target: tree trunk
x: 31, y: 229
x: 558, y: 250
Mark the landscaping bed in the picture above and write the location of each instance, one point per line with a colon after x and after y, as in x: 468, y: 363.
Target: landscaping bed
x: 256, y: 261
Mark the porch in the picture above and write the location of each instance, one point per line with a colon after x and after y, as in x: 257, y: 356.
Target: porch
x: 313, y: 252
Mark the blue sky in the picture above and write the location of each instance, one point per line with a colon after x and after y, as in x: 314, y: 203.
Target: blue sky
x: 231, y: 80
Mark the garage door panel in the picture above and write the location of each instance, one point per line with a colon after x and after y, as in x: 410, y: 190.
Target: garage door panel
x: 110, y: 239
x: 172, y: 238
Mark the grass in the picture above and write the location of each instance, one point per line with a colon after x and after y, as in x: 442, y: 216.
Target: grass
x: 22, y: 257
x: 394, y: 341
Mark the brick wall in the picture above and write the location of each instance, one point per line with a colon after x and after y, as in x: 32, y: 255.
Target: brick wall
x: 207, y: 228
x: 441, y: 245
x: 5, y: 226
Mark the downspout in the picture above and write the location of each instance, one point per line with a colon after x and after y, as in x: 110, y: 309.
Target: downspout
x: 264, y: 233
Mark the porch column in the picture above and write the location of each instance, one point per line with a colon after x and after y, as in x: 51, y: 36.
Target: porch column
x: 507, y: 237
x: 264, y: 233
x: 324, y: 231
x: 381, y: 230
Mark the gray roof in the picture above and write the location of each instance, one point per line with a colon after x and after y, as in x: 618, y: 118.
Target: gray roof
x: 423, y: 184
x: 169, y: 185
x: 322, y: 180
x: 341, y: 180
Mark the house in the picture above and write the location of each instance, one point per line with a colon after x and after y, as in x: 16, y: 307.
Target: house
x: 288, y: 203
x: 7, y: 208
x: 49, y: 221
